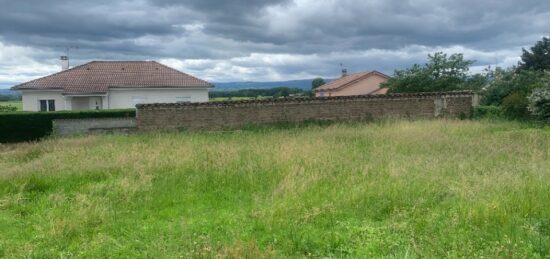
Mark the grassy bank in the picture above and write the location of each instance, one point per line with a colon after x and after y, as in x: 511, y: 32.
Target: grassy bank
x: 17, y: 104
x: 403, y: 189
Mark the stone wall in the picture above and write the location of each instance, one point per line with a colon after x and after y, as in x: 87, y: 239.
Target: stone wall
x: 236, y: 114
x: 69, y: 127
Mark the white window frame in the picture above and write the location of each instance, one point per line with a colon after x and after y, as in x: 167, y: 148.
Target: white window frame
x: 48, y: 108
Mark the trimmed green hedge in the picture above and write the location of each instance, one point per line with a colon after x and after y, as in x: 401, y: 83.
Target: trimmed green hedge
x: 29, y: 126
x: 488, y: 112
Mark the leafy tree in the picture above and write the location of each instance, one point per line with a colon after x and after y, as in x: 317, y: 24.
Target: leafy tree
x: 510, y: 88
x: 283, y: 92
x: 277, y: 91
x: 317, y: 82
x: 441, y: 73
x: 515, y: 105
x: 539, y: 103
x: 504, y: 82
x: 477, y: 81
x: 538, y: 58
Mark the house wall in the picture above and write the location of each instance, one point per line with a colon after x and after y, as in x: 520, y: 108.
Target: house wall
x: 361, y: 87
x: 122, y: 98
x: 31, y: 99
x: 234, y: 115
x: 80, y: 103
x: 116, y: 99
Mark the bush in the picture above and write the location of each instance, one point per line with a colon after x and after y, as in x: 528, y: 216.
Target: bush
x: 7, y: 108
x: 539, y: 103
x: 488, y: 112
x: 515, y: 106
x: 29, y: 126
x: 510, y: 81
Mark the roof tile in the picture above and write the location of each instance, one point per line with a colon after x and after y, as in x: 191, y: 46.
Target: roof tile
x: 99, y: 76
x: 349, y: 79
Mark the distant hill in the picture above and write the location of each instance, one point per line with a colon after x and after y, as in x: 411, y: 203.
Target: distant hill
x: 304, y: 84
x: 8, y: 92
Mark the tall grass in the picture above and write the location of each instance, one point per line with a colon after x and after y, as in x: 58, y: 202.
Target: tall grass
x: 386, y: 189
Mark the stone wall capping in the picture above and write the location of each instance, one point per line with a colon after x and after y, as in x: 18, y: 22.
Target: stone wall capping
x: 291, y: 100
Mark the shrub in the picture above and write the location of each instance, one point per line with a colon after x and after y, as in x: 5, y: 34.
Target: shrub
x: 487, y: 112
x: 539, y: 103
x: 7, y: 108
x: 515, y: 106
x: 510, y: 81
x: 29, y: 126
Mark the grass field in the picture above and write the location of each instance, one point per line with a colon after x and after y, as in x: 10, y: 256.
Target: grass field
x: 17, y: 104
x: 385, y: 189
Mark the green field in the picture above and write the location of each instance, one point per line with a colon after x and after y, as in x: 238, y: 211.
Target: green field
x: 386, y: 189
x: 18, y: 104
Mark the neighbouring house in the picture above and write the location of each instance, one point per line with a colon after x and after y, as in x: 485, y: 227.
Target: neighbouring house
x: 111, y: 85
x: 362, y: 83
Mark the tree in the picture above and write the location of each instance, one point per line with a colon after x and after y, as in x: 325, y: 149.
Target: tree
x: 511, y: 87
x: 441, y: 73
x: 317, y: 82
x: 505, y: 82
x: 539, y: 103
x: 538, y: 58
x: 515, y: 105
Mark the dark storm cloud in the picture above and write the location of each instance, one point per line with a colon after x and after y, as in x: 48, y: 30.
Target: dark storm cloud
x: 349, y: 24
x: 228, y: 34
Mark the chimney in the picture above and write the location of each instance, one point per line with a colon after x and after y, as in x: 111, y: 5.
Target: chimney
x: 344, y: 72
x: 64, y: 62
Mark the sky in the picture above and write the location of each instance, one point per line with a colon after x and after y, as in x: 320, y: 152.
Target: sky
x: 240, y: 40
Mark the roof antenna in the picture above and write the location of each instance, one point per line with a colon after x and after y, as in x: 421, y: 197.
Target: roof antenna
x: 344, y: 70
x: 496, y: 60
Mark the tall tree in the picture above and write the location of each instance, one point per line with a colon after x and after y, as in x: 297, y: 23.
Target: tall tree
x: 538, y: 58
x: 317, y: 82
x: 441, y: 73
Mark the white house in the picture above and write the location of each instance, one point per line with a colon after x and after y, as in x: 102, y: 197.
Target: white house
x: 111, y: 85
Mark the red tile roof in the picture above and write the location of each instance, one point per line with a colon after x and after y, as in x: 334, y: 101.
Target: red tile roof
x: 349, y: 79
x: 99, y: 76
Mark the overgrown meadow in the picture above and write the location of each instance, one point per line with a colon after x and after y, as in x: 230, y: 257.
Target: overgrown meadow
x: 441, y: 188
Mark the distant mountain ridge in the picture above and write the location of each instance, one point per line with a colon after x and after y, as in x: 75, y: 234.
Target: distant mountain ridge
x: 8, y: 92
x: 304, y: 84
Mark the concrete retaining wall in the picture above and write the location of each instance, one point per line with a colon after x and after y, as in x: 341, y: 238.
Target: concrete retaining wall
x: 69, y: 127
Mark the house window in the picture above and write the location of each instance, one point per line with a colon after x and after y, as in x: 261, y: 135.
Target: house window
x: 47, y: 105
x: 322, y: 93
x: 183, y: 99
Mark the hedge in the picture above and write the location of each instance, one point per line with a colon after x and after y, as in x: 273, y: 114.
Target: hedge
x: 488, y: 112
x: 29, y: 126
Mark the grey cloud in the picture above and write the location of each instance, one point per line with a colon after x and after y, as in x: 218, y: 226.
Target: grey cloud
x: 224, y: 31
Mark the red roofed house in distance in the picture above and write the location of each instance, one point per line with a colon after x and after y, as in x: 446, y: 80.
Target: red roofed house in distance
x: 362, y: 83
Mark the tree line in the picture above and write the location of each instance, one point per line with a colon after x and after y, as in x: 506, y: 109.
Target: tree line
x: 271, y: 92
x: 521, y: 91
